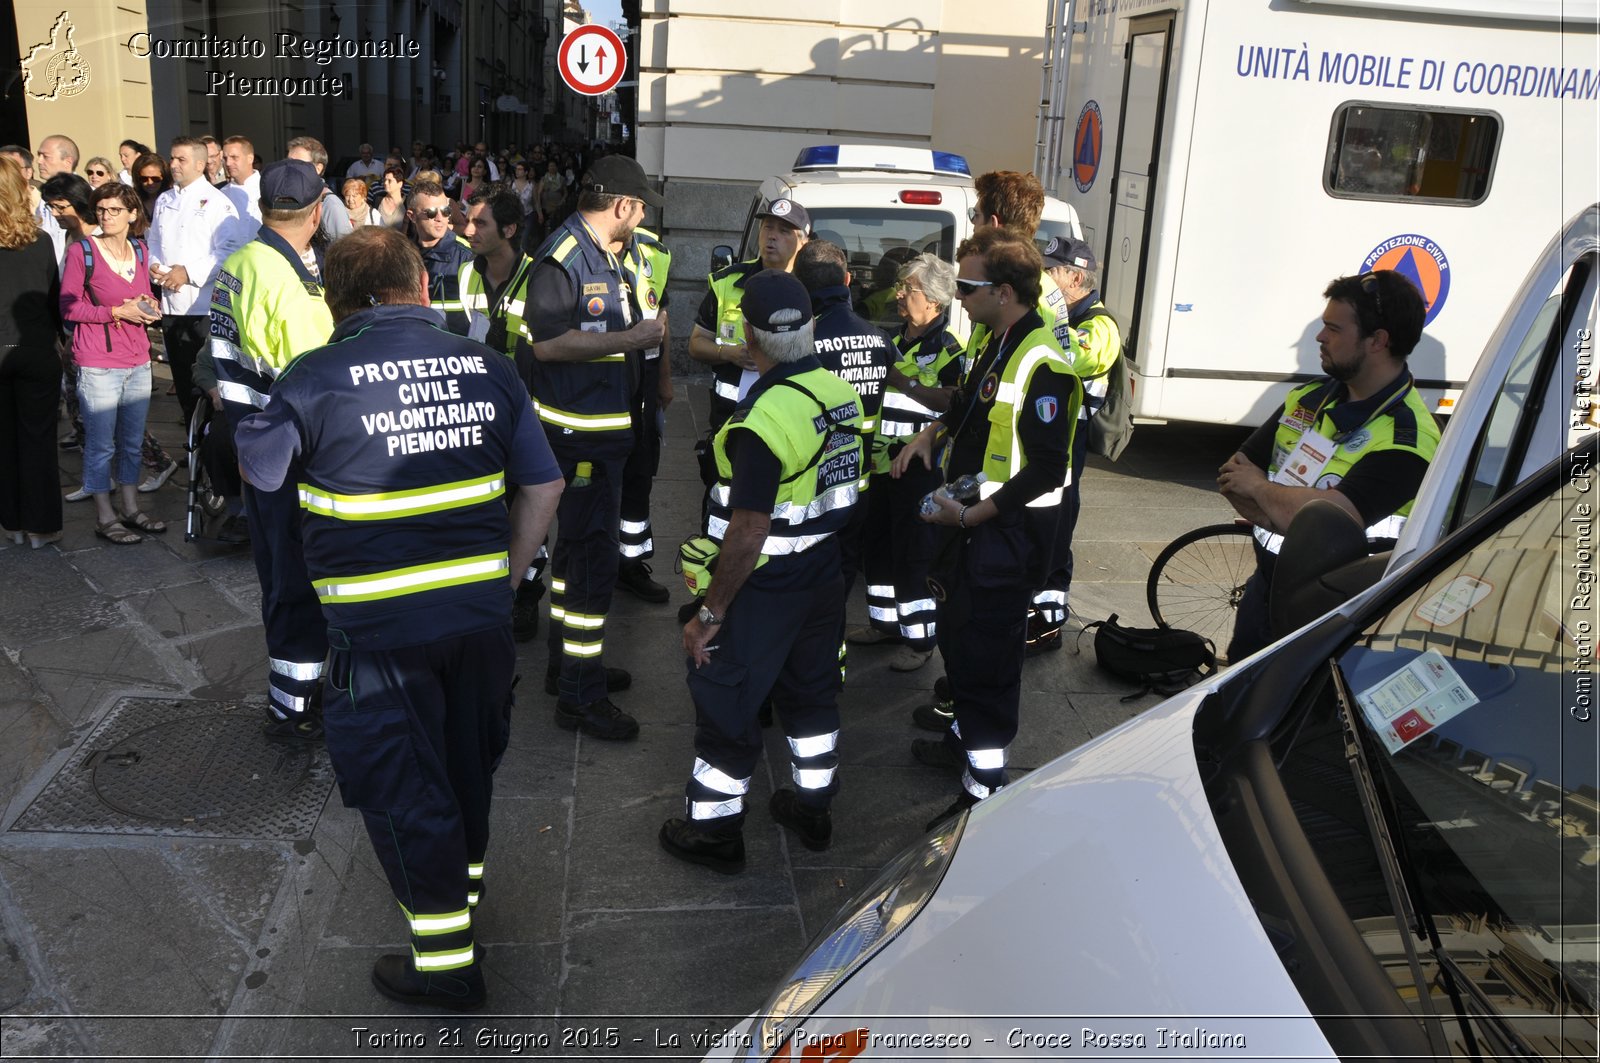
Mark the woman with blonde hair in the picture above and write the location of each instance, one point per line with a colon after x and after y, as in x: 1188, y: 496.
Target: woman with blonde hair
x: 30, y: 372
x: 98, y: 170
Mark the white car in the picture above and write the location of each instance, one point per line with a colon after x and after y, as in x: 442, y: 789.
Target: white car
x: 1378, y: 838
x: 884, y: 205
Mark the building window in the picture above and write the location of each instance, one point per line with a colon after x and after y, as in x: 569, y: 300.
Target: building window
x: 1397, y: 153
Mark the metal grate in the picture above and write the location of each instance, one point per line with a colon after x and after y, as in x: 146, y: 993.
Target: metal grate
x: 185, y: 768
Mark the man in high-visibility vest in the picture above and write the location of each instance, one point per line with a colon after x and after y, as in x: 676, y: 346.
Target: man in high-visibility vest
x: 411, y: 550
x: 588, y: 337
x: 789, y: 462
x: 267, y: 310
x: 647, y: 261
x: 1361, y: 438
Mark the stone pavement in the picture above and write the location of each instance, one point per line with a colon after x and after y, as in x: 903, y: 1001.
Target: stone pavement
x: 172, y: 885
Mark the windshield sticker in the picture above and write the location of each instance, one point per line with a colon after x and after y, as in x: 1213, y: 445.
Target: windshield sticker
x: 1414, y: 700
x: 1454, y: 601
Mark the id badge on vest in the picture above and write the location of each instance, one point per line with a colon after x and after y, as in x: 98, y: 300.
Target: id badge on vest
x: 479, y: 329
x: 1306, y: 461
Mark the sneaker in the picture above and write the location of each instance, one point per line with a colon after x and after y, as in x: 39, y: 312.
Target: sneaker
x: 156, y: 479
x: 525, y: 611
x: 936, y: 717
x: 634, y: 577
x: 461, y: 989
x: 307, y: 727
x: 77, y: 496
x: 867, y: 635
x: 813, y: 825
x: 722, y: 853
x: 1043, y: 635
x: 600, y: 719
x: 907, y: 659
x: 616, y: 679
x: 937, y: 753
x: 689, y: 610
x: 958, y: 806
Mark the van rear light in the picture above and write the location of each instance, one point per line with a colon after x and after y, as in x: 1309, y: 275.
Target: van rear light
x: 922, y: 197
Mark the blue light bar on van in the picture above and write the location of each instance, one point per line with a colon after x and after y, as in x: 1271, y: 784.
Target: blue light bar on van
x: 892, y: 158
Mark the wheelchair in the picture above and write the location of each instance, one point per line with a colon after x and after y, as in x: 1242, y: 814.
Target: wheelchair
x: 213, y: 475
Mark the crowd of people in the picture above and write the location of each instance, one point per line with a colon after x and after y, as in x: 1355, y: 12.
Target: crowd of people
x: 413, y: 370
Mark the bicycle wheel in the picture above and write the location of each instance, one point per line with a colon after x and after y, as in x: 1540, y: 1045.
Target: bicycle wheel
x: 1198, y: 579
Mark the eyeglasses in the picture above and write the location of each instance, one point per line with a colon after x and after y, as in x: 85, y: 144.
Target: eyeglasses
x: 432, y: 212
x: 965, y: 288
x: 1370, y: 285
x: 98, y: 173
x: 902, y: 286
x: 110, y: 211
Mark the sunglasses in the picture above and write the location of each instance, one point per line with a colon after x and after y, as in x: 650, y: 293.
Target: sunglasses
x: 965, y: 288
x: 432, y: 212
x: 149, y: 180
x: 97, y: 173
x: 1370, y: 286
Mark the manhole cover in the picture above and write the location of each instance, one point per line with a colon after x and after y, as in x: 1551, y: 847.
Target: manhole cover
x: 184, y: 768
x: 197, y: 768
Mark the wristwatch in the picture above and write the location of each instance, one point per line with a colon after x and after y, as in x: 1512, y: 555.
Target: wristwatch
x: 708, y: 618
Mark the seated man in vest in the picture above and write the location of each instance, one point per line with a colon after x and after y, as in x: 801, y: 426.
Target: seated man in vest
x: 413, y: 553
x: 788, y: 462
x: 1362, y: 438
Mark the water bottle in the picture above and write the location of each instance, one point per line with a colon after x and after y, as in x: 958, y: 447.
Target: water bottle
x: 583, y: 475
x: 964, y: 489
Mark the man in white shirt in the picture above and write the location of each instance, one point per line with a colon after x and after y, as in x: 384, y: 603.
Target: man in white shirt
x: 244, y: 182
x: 56, y: 154
x: 367, y: 168
x: 193, y: 229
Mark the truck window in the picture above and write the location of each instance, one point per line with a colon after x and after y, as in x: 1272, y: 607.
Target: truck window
x: 1396, y: 153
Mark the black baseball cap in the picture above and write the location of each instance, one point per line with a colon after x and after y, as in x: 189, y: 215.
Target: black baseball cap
x: 1070, y: 252
x: 618, y: 175
x: 290, y: 184
x: 773, y: 293
x: 789, y: 212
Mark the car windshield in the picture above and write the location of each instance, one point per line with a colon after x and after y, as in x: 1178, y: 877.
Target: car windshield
x: 876, y: 244
x: 1475, y: 695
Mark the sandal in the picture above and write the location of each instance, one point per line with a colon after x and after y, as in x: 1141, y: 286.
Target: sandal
x: 113, y: 531
x: 144, y: 522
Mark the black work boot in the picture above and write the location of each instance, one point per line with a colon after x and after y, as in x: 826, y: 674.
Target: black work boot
x: 1043, y: 635
x: 460, y: 989
x: 937, y: 753
x: 600, y: 719
x: 813, y: 825
x: 634, y: 577
x: 722, y: 853
x: 935, y: 717
x: 616, y: 679
x: 525, y: 610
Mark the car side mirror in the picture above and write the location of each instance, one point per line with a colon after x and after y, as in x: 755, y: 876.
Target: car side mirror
x: 721, y: 257
x: 1323, y: 564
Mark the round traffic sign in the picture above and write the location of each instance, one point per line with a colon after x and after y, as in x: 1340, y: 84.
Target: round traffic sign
x: 591, y: 60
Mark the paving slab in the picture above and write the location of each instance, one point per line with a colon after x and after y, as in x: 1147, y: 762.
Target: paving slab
x: 123, y: 570
x: 232, y: 665
x: 188, y: 610
x: 80, y: 675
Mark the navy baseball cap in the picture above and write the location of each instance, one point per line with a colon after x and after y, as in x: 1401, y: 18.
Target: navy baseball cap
x: 1069, y: 252
x: 290, y: 184
x: 789, y: 212
x: 775, y: 301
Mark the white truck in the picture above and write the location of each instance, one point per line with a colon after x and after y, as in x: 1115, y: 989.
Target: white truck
x: 1228, y: 159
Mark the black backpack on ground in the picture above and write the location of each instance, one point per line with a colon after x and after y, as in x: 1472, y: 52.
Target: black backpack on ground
x: 1164, y: 660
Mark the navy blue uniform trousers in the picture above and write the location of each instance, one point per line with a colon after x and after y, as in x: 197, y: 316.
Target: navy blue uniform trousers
x: 415, y: 735
x: 297, y: 641
x: 583, y: 574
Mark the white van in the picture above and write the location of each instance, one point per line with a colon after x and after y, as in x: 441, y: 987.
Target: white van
x: 884, y: 205
x: 1229, y: 159
x: 1378, y: 838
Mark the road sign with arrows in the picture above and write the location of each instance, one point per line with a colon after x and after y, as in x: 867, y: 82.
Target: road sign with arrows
x: 591, y: 60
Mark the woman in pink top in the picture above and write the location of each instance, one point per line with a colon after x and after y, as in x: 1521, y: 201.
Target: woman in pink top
x: 111, y: 305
